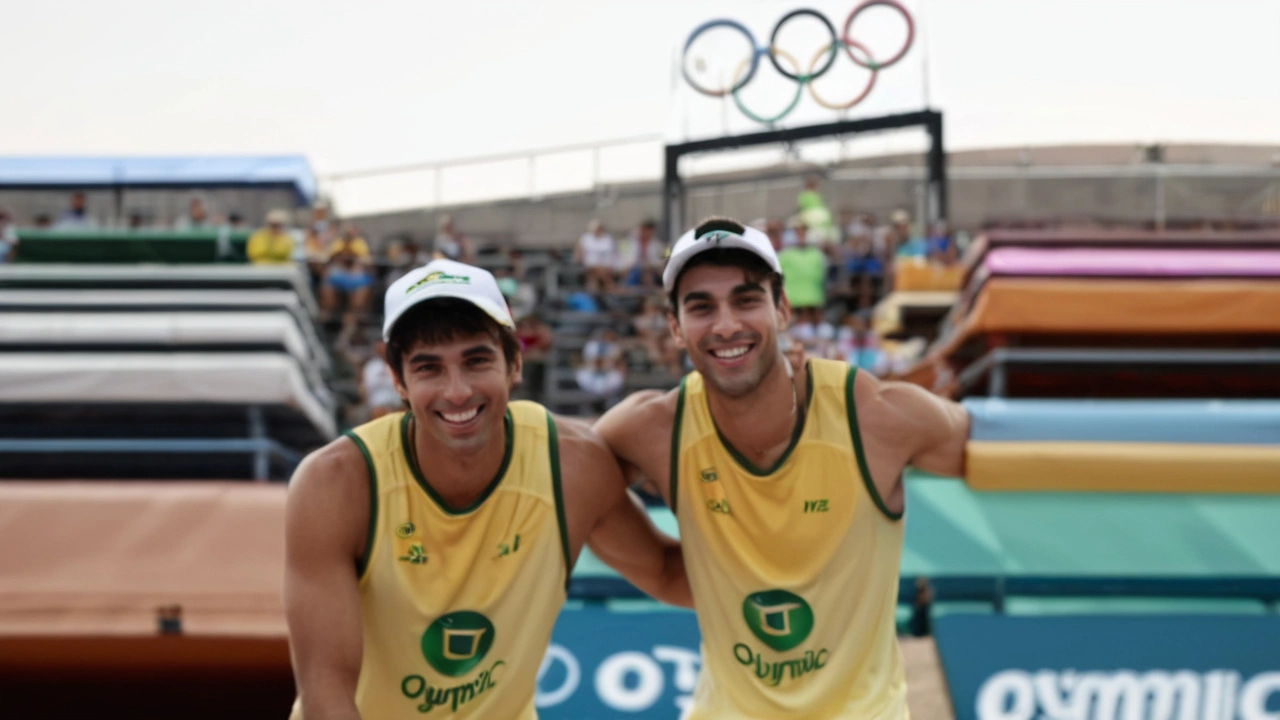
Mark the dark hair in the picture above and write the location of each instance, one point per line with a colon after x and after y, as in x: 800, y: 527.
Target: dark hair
x: 752, y: 265
x: 441, y: 320
x: 649, y: 224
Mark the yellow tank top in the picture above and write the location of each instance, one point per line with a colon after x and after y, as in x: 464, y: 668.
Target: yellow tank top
x: 794, y: 568
x: 458, y: 606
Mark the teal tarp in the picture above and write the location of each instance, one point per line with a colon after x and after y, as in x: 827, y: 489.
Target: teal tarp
x: 952, y: 530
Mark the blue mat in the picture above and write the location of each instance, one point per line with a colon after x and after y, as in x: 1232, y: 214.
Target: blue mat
x: 1218, y: 422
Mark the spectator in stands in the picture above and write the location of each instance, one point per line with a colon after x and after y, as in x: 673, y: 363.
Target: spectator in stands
x: 535, y: 338
x: 941, y: 248
x: 452, y: 244
x: 654, y: 334
x: 899, y: 236
x: 8, y: 238
x: 377, y: 386
x: 75, y: 217
x: 774, y: 229
x: 196, y: 217
x: 863, y: 265
x: 812, y: 209
x: 804, y: 273
x: 921, y: 608
x: 348, y: 276
x: 316, y: 241
x: 642, y: 257
x: 597, y: 252
x: 602, y: 376
x: 272, y: 244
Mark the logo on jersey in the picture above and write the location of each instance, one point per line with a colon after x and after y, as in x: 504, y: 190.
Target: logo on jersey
x: 406, y: 530
x: 457, y: 642
x: 709, y: 475
x: 779, y: 619
x: 718, y: 506
x: 415, y: 555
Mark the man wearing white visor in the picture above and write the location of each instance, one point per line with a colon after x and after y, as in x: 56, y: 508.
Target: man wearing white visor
x: 787, y: 488
x: 428, y: 551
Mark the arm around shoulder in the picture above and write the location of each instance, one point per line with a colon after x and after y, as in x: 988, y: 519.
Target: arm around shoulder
x: 326, y: 520
x: 618, y: 529
x: 935, y: 429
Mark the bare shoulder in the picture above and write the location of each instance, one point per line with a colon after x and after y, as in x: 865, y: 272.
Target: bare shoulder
x: 639, y: 420
x: 579, y: 443
x: 908, y: 417
x: 331, y: 478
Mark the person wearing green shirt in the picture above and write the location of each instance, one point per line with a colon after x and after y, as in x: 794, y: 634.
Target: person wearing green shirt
x: 804, y: 273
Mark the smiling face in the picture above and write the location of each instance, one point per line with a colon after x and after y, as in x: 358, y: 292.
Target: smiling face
x: 727, y: 319
x: 458, y: 390
x: 455, y: 374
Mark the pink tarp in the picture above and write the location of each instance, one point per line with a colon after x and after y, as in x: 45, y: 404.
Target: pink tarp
x: 1116, y: 262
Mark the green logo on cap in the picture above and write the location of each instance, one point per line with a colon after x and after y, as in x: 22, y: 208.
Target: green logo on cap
x: 457, y: 642
x: 780, y: 619
x: 715, y: 236
x: 439, y: 277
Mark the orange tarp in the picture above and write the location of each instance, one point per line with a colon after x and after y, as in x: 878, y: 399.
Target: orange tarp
x: 100, y: 558
x: 1122, y: 467
x: 1130, y: 306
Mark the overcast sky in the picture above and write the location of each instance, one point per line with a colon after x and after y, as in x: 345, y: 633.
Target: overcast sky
x: 384, y: 83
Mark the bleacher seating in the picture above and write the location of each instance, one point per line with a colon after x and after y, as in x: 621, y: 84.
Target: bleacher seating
x: 213, y: 371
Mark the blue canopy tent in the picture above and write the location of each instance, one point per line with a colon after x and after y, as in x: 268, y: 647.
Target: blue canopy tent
x: 291, y: 172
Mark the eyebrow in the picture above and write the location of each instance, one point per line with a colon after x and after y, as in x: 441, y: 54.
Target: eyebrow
x: 742, y: 289
x: 473, y: 351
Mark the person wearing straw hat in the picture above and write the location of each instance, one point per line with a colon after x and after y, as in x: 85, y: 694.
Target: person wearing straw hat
x: 272, y: 244
x: 786, y: 482
x: 428, y: 552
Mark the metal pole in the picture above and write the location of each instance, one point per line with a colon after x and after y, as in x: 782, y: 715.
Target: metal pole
x: 258, y: 431
x: 937, y: 167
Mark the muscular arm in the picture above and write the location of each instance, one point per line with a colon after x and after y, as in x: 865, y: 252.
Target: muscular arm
x: 326, y: 513
x: 617, y: 528
x: 934, y: 429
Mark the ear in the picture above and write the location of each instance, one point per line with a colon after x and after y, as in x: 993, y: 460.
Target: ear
x: 784, y: 312
x: 673, y: 324
x: 516, y: 371
x: 399, y: 383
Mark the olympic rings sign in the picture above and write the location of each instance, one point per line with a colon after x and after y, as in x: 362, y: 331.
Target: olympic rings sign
x: 818, y: 66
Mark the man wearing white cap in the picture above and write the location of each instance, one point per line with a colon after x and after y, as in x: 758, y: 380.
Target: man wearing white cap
x: 787, y: 487
x: 428, y: 552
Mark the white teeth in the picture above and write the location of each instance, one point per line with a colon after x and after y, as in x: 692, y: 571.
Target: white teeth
x: 731, y: 352
x: 462, y: 416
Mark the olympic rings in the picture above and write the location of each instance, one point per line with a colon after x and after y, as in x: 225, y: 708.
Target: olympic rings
x: 746, y: 70
x: 773, y: 45
x: 795, y: 99
x: 871, y: 81
x: 754, y: 59
x: 871, y: 64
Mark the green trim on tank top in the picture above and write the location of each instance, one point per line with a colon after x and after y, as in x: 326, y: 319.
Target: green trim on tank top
x: 796, y: 432
x: 553, y: 450
x: 675, y: 447
x: 407, y: 447
x: 863, y: 470
x: 362, y: 562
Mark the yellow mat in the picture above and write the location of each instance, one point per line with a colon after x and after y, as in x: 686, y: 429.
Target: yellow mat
x: 1122, y: 467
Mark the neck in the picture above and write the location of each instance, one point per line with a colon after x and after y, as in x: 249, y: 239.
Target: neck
x: 760, y: 424
x: 457, y: 477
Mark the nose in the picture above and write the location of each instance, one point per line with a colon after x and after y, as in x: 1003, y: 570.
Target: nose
x: 458, y: 390
x: 726, y: 322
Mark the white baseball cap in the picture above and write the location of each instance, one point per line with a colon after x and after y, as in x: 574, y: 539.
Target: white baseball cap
x: 446, y: 279
x: 714, y: 235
